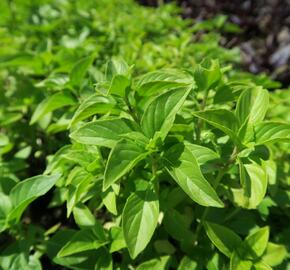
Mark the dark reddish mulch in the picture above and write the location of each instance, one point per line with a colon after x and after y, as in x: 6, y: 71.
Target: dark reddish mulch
x: 265, y: 36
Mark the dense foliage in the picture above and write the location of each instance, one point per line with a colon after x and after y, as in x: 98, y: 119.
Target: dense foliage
x: 129, y: 139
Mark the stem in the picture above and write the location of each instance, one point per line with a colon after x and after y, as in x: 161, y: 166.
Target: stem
x: 131, y: 110
x: 199, y: 121
x: 219, y: 177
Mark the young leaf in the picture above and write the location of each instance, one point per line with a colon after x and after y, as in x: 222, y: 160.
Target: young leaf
x: 221, y: 119
x: 270, y: 132
x: 79, y: 70
x: 52, y: 103
x: 207, y: 75
x: 160, y: 113
x: 83, y: 240
x: 238, y: 263
x: 252, y: 105
x: 274, y: 254
x: 223, y: 238
x: 27, y: 191
x: 5, y: 208
x: 83, y: 216
x: 123, y: 157
x: 262, y: 266
x: 140, y: 217
x: 102, y: 132
x: 258, y: 241
x: 92, y: 105
x: 184, y: 168
x: 201, y: 153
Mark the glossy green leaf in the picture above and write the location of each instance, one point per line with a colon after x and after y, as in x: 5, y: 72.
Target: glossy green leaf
x: 79, y: 70
x: 155, y: 264
x: 201, y: 153
x: 139, y: 218
x: 123, y: 157
x: 275, y: 254
x: 238, y: 263
x: 83, y: 216
x: 102, y: 132
x: 52, y: 103
x: 262, y: 266
x: 160, y: 113
x: 258, y: 241
x: 223, y: 120
x: 270, y: 132
x: 157, y: 81
x: 27, y: 191
x: 94, y: 104
x: 223, y: 238
x: 5, y: 209
x: 184, y: 169
x: 83, y: 240
x: 187, y: 264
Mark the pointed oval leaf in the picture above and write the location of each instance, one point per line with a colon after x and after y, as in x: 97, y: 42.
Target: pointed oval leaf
x: 160, y: 113
x: 52, y: 103
x: 223, y: 238
x: 183, y: 167
x: 102, y: 132
x: 123, y: 157
x: 258, y: 241
x: 270, y: 132
x: 140, y: 216
x: 28, y: 190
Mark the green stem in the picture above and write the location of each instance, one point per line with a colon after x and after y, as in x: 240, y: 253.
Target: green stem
x: 219, y: 177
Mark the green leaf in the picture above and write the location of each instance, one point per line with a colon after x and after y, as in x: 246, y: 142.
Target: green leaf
x: 252, y: 105
x: 270, y: 132
x: 201, y: 153
x: 275, y: 254
x: 254, y: 181
x: 140, y: 216
x: 102, y: 132
x: 257, y: 242
x: 109, y: 200
x: 251, y: 109
x: 160, y: 113
x: 207, y: 75
x: 223, y: 238
x: 104, y: 260
x: 238, y: 263
x: 159, y: 80
x: 184, y: 168
x: 223, y: 120
x: 187, y: 264
x: 93, y: 104
x: 161, y: 263
x: 117, y: 239
x: 83, y: 216
x: 27, y: 191
x: 52, y: 103
x: 116, y: 66
x: 262, y: 266
x: 5, y: 208
x: 123, y: 157
x: 79, y: 70
x: 118, y: 85
x: 83, y: 240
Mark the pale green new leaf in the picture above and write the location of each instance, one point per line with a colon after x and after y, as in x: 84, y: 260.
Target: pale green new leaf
x: 223, y: 238
x: 223, y: 120
x: 258, y: 241
x: 262, y: 266
x: 52, y: 103
x: 160, y: 113
x: 27, y: 191
x: 79, y: 70
x: 140, y: 216
x: 238, y: 263
x: 270, y: 132
x: 184, y: 169
x: 274, y: 254
x: 102, y: 132
x: 123, y: 157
